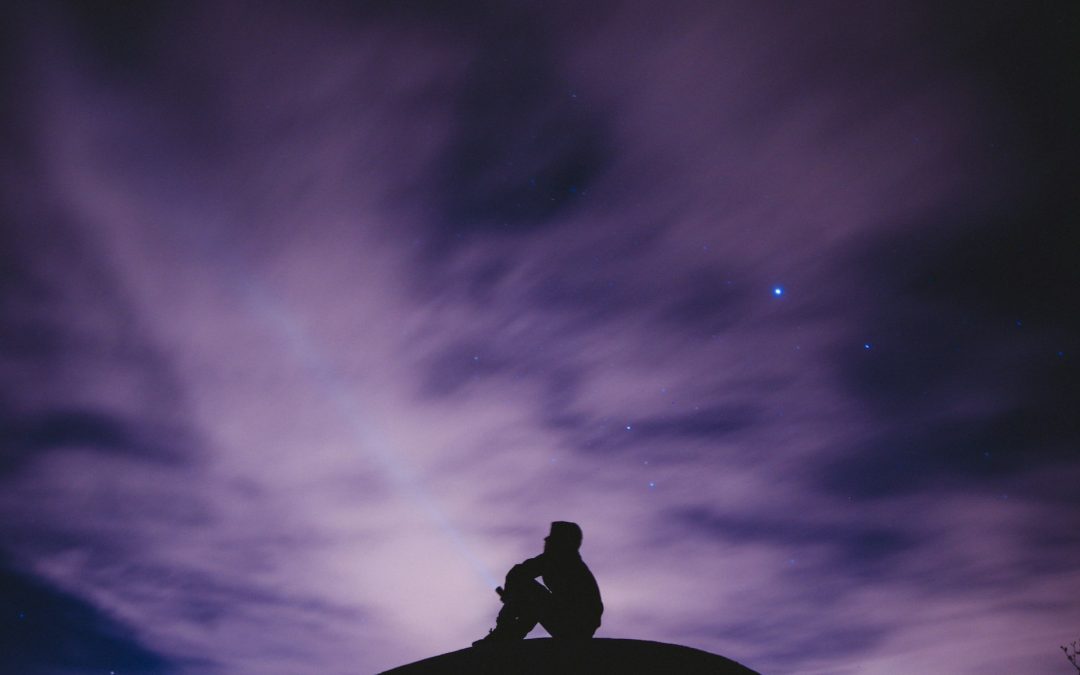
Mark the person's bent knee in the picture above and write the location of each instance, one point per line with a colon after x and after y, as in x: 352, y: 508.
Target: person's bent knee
x: 518, y: 577
x: 515, y: 575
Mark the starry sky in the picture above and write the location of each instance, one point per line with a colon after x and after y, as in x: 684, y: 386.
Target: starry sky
x: 314, y: 315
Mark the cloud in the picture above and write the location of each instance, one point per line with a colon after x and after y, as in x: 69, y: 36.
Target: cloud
x: 318, y: 317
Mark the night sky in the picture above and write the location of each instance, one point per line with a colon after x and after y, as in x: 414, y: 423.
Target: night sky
x: 313, y: 316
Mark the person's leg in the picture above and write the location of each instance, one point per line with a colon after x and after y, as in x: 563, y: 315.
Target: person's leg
x: 562, y: 622
x: 525, y: 601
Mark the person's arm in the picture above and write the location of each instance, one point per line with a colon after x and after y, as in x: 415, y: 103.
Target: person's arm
x: 527, y: 570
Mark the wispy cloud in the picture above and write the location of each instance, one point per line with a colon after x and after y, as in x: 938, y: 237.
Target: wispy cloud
x: 314, y: 319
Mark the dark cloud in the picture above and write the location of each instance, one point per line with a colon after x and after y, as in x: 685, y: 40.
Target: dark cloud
x: 853, y: 549
x: 456, y: 367
x: 976, y: 296
x: 1033, y: 81
x: 710, y: 301
x: 46, y: 630
x: 711, y: 422
x: 952, y: 316
x: 29, y: 437
x: 804, y: 641
x: 65, y: 312
x: 678, y: 436
x: 526, y: 144
x: 122, y: 36
x: 950, y: 454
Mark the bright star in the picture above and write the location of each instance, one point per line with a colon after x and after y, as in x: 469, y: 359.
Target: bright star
x: 778, y: 291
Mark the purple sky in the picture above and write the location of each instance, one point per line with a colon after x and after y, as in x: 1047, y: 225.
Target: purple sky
x: 313, y: 320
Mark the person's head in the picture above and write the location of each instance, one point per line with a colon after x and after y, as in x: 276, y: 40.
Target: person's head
x: 564, y: 538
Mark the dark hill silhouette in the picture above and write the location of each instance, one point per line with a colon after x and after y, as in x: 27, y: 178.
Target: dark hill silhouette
x: 546, y: 656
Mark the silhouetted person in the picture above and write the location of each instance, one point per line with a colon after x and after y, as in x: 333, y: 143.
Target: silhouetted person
x: 567, y: 604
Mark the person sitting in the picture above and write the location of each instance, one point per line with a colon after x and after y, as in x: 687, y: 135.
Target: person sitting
x: 567, y: 604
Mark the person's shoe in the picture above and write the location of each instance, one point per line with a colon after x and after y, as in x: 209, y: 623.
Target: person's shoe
x: 497, y: 635
x: 491, y: 638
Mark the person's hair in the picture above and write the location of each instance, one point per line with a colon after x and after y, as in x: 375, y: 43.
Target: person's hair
x: 566, y: 534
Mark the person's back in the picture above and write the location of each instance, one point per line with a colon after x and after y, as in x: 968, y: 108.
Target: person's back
x: 574, y: 587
